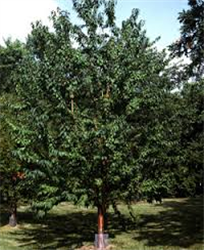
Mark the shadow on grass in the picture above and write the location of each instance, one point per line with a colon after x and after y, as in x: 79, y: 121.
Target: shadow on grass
x: 56, y: 231
x: 180, y: 225
x: 4, y: 216
x: 67, y: 231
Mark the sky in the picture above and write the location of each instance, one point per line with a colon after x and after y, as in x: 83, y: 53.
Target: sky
x: 160, y: 16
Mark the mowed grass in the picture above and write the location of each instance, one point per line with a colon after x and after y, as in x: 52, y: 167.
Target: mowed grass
x: 176, y: 224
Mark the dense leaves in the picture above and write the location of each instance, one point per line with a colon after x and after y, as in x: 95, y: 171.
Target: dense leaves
x: 86, y: 104
x: 12, y: 176
x: 189, y: 178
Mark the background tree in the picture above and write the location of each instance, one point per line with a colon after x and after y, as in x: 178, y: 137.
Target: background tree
x: 159, y: 145
x: 191, y: 43
x: 10, y: 168
x: 191, y: 116
x: 10, y: 56
x: 189, y: 178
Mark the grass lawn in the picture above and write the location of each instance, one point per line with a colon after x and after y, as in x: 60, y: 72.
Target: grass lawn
x: 176, y: 224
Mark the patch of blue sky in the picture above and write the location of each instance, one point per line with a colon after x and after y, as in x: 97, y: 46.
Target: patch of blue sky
x: 160, y: 16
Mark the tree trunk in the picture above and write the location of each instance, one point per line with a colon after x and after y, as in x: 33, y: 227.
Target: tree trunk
x: 13, y: 217
x: 100, y: 220
x: 100, y: 243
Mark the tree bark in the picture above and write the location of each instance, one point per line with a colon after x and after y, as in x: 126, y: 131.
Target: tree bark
x: 100, y: 219
x: 100, y: 243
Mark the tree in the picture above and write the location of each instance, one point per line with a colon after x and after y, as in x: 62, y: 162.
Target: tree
x: 191, y: 115
x: 191, y: 42
x: 12, y: 176
x: 84, y: 86
x: 10, y: 168
x: 189, y: 178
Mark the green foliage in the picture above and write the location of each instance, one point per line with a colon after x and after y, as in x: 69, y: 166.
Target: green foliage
x: 191, y: 42
x: 86, y: 102
x: 192, y: 137
x: 12, y: 175
x: 10, y: 56
x: 189, y: 177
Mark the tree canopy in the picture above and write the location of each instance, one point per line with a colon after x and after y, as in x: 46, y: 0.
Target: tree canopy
x: 89, y: 91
